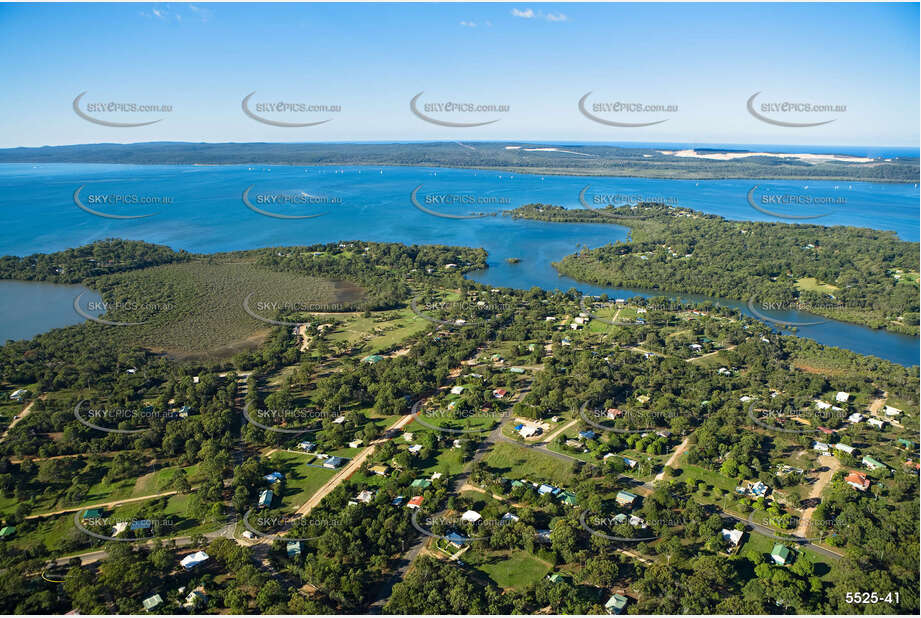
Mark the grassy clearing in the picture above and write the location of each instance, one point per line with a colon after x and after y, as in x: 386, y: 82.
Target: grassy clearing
x: 301, y: 481
x: 513, y: 570
x: 196, y: 308
x: 811, y: 284
x: 516, y: 462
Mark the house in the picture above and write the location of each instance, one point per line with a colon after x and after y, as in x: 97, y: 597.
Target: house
x: 195, y: 597
x: 855, y: 418
x: 415, y: 503
x: 555, y: 578
x: 745, y: 398
x: 637, y: 522
x: 529, y: 431
x: 876, y: 422
x: 696, y: 347
x: 826, y: 430
x: 455, y: 539
x: 380, y: 469
x: 471, y: 517
x: 508, y: 517
x: 193, y: 560
x: 842, y: 397
x: 872, y: 463
x: 397, y: 501
x: 333, y: 462
x: 293, y: 548
x: 724, y: 371
x: 616, y: 604
x: 365, y: 496
x: 568, y: 498
x: 356, y: 443
x: 566, y: 341
x: 420, y: 483
x: 457, y: 390
x: 265, y: 498
x: 306, y: 446
x: 499, y: 393
x: 629, y: 463
x: 857, y: 481
x: 19, y: 394
x: 844, y: 447
x: 780, y: 554
x: 588, y: 434
x: 415, y: 449
x: 339, y: 420
x: 906, y: 443
x: 152, y: 602
x: 890, y: 411
x: 821, y: 405
x: 625, y: 498
x: 545, y: 489
x: 372, y: 359
x: 436, y: 476
x: 573, y: 443
x: 517, y: 370
x: 7, y: 532
x: 542, y: 535
x: 274, y: 477
x: 820, y: 446
x: 91, y: 514
x: 613, y: 413
x: 408, y: 436
x: 733, y: 537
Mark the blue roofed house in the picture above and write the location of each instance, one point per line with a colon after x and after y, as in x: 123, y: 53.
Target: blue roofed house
x: 616, y: 604
x: 293, y: 548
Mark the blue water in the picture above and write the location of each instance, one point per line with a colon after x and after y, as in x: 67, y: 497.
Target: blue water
x: 206, y: 214
x: 28, y: 308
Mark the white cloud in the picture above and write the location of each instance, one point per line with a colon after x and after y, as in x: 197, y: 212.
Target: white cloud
x: 532, y: 14
x: 468, y: 24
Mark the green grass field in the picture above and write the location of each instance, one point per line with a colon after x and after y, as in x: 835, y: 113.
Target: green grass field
x: 301, y: 481
x: 516, y: 462
x: 513, y: 570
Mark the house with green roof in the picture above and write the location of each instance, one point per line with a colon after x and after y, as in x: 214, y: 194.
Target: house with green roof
x: 555, y: 578
x: 872, y: 463
x: 780, y: 554
x: 906, y: 443
x: 372, y: 359
x: 569, y: 498
x: 92, y: 514
x: 420, y: 483
x: 7, y: 531
x: 625, y: 498
x: 152, y: 602
x: 616, y: 604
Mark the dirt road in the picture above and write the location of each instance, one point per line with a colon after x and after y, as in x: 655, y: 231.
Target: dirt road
x: 816, y: 491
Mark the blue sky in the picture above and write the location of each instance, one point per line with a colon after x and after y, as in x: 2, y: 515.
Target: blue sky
x: 539, y: 59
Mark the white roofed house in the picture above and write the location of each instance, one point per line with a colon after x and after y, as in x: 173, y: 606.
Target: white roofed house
x: 845, y: 448
x: 732, y: 536
x: 890, y: 411
x: 842, y: 397
x: 820, y: 446
x: 855, y: 418
x: 876, y: 422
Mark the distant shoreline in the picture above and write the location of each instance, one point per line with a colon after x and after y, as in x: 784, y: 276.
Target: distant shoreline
x: 698, y: 163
